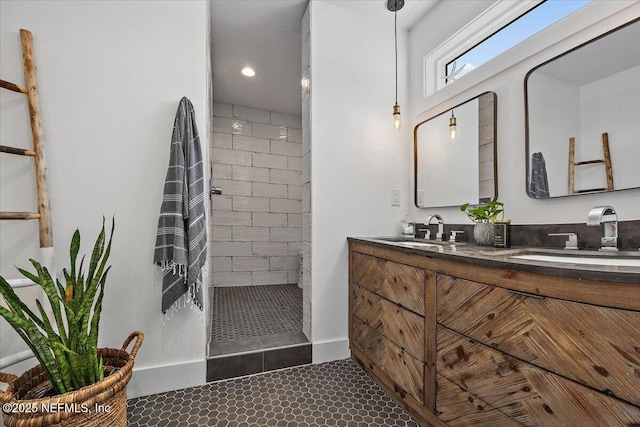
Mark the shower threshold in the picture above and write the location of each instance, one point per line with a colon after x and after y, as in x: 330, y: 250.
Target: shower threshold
x: 245, y: 356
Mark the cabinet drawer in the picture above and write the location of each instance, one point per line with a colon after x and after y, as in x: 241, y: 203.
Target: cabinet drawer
x: 461, y: 408
x: 403, y: 368
x: 399, y: 283
x: 402, y: 327
x: 526, y: 393
x: 596, y: 346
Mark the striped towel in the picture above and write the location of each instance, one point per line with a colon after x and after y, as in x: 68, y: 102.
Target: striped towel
x: 538, y: 183
x: 181, y: 240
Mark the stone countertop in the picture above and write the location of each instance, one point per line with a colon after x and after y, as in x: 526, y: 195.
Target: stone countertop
x: 502, y: 258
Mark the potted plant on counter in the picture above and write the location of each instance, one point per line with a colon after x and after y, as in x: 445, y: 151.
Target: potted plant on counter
x: 484, y: 216
x: 76, y: 383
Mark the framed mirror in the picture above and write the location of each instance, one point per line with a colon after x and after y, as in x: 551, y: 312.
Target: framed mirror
x: 455, y: 155
x: 583, y: 118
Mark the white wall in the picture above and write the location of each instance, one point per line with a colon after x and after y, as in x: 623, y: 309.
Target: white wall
x: 111, y: 75
x: 505, y: 76
x: 357, y: 156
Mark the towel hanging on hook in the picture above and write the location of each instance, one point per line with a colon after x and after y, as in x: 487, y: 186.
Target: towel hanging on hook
x: 181, y: 239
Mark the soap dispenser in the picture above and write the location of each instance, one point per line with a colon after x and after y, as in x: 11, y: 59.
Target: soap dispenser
x: 407, y: 228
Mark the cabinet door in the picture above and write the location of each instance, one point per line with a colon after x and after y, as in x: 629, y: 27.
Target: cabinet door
x: 404, y: 369
x: 457, y: 407
x: 401, y: 326
x: 596, y: 346
x: 399, y: 283
x: 530, y: 395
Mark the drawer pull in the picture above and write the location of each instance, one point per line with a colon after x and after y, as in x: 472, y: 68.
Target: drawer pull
x: 526, y: 294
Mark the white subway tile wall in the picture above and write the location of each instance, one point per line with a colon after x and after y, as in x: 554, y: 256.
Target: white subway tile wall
x: 305, y: 153
x: 251, y: 114
x: 232, y: 126
x: 249, y: 143
x: 223, y: 232
x: 223, y: 110
x: 256, y: 224
x: 221, y: 171
x: 295, y: 135
x: 294, y: 248
x: 286, y: 120
x: 222, y: 140
x: 245, y: 173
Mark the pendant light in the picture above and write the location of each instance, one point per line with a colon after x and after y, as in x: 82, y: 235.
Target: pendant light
x: 452, y: 126
x: 394, y: 6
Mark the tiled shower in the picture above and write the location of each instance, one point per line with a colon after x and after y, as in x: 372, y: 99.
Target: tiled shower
x: 256, y: 242
x: 257, y: 222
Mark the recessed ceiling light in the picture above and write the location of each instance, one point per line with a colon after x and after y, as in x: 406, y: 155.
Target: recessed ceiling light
x: 248, y: 71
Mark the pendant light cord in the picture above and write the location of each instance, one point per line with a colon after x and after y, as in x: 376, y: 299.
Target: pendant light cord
x: 395, y: 31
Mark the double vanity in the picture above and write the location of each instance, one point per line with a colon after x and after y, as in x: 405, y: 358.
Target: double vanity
x: 460, y: 334
x: 464, y: 335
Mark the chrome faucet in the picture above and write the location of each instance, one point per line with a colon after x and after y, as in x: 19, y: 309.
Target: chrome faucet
x: 572, y: 241
x: 605, y: 215
x: 440, y: 233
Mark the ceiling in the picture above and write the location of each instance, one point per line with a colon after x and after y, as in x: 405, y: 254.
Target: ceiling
x: 266, y: 35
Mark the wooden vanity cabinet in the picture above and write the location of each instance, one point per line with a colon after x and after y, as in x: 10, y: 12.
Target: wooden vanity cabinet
x: 386, y: 331
x: 460, y: 344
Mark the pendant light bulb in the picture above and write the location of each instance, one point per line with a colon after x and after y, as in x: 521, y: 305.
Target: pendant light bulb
x: 394, y: 6
x: 452, y: 126
x: 397, y: 124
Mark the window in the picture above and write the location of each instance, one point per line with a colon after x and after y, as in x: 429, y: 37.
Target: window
x: 502, y: 26
x: 533, y: 21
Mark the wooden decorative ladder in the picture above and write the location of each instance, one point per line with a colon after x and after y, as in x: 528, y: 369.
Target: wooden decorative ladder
x: 38, y: 153
x: 606, y: 161
x: 43, y: 215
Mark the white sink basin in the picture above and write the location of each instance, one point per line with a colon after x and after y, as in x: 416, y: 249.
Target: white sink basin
x: 420, y: 244
x: 413, y: 242
x: 622, y: 262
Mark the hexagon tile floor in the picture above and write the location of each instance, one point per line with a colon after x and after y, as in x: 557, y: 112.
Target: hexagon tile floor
x: 330, y: 394
x: 255, y: 311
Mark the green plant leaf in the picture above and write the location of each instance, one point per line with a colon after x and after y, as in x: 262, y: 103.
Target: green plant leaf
x: 95, y: 283
x: 67, y: 376
x: 37, y: 342
x: 483, y: 213
x: 74, y: 247
x: 13, y: 301
x: 50, y: 291
x: 98, y: 249
x: 66, y: 346
x: 95, y: 321
x: 28, y: 275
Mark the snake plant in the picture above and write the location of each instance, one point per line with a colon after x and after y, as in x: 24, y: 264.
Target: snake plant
x: 67, y: 345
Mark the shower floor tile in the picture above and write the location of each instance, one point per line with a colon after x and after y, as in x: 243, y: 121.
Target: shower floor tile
x: 330, y: 394
x: 242, y: 312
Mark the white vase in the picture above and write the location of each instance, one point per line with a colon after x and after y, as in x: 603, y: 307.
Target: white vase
x: 483, y: 233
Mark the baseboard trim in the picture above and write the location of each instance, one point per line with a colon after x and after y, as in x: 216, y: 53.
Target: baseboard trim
x: 160, y: 379
x: 163, y: 378
x: 328, y: 351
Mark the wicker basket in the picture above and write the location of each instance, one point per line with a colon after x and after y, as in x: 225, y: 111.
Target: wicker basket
x: 101, y: 404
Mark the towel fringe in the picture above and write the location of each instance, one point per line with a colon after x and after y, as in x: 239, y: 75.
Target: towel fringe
x: 174, y: 267
x: 188, y: 298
